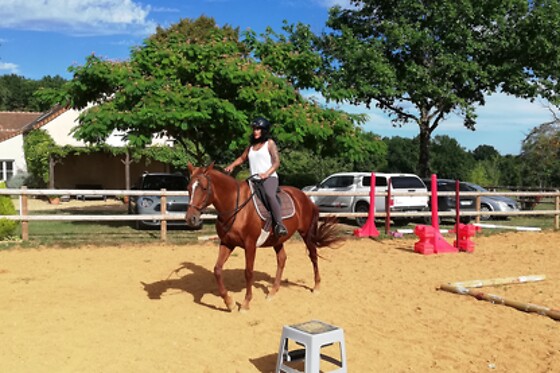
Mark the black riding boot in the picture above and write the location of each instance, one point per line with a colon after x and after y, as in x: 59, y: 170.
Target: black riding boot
x: 280, y: 230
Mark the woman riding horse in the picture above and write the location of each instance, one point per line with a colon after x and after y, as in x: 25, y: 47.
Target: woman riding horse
x: 238, y: 224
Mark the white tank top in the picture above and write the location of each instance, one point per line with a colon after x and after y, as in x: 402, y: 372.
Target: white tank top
x: 260, y: 160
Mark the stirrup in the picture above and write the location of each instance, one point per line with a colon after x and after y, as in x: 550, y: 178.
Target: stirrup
x: 280, y: 230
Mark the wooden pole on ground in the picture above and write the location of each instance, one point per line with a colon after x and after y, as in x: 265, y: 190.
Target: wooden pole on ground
x: 492, y: 298
x: 499, y: 281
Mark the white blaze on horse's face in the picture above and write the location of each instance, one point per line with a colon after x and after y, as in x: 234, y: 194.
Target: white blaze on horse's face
x: 194, y: 186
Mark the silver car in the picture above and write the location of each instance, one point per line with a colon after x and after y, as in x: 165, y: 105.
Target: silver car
x: 492, y: 203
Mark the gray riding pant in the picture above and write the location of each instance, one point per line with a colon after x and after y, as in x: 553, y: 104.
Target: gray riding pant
x: 270, y: 188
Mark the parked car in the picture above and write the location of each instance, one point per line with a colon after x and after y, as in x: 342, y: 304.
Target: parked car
x: 361, y: 182
x: 448, y: 203
x: 492, y: 203
x: 145, y: 205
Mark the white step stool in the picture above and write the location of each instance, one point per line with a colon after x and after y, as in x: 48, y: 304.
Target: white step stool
x: 312, y: 335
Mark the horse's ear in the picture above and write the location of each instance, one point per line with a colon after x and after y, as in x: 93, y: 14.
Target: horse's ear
x: 190, y: 167
x: 211, y: 166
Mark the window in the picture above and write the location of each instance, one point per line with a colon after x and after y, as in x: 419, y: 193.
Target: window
x: 338, y: 182
x: 380, y: 181
x: 6, y: 170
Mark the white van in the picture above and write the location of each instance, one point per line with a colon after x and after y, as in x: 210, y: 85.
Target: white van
x: 360, y: 182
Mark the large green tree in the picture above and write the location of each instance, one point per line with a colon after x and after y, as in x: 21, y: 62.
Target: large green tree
x: 421, y: 61
x: 540, y: 154
x: 200, y: 85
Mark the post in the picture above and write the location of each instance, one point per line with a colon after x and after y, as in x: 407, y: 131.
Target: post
x: 477, y: 218
x: 557, y: 208
x: 457, y: 212
x: 163, y: 222
x: 388, y: 208
x: 434, y: 203
x: 24, y: 211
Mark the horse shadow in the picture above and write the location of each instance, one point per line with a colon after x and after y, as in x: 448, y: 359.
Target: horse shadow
x: 200, y: 281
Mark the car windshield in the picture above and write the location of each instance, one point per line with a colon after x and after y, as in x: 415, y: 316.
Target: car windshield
x: 167, y: 182
x: 475, y: 187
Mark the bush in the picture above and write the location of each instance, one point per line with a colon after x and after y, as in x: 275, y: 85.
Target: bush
x: 17, y: 181
x: 7, y: 227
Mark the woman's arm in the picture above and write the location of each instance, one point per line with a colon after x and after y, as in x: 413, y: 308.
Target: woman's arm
x: 240, y: 160
x: 275, y: 157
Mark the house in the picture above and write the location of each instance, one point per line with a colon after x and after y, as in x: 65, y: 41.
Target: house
x: 99, y: 170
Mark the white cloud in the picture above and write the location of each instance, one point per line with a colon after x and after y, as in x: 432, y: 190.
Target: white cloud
x: 83, y: 17
x: 331, y: 3
x: 11, y: 68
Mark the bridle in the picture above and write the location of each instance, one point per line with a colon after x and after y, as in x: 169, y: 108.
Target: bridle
x: 208, y: 189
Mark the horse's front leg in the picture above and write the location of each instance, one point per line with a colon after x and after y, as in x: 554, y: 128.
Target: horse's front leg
x: 281, y: 258
x: 223, y: 256
x: 250, y: 253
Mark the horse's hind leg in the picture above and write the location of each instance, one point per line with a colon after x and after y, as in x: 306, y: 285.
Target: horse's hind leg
x: 223, y: 256
x: 281, y: 257
x: 312, y: 253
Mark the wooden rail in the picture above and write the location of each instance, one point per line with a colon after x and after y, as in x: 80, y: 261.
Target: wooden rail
x: 24, y: 217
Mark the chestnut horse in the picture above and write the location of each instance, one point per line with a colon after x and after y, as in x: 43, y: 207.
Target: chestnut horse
x: 238, y: 224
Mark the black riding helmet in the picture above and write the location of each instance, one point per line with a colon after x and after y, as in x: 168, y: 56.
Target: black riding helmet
x: 262, y: 123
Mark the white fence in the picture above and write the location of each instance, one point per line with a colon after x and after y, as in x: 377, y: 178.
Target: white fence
x: 24, y: 217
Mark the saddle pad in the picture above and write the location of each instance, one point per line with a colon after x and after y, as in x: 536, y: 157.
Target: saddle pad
x: 287, y: 207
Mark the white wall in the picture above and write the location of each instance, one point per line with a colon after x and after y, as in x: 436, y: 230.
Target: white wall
x: 12, y: 149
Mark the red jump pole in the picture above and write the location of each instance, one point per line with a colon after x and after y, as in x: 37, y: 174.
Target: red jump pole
x: 369, y: 229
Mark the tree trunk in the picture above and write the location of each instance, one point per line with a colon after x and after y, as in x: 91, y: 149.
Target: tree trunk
x: 424, y: 154
x: 51, y: 172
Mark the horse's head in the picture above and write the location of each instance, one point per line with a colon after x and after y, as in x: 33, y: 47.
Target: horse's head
x: 201, y: 193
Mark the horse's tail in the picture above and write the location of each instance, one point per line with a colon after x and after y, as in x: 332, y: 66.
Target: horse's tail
x: 324, y: 233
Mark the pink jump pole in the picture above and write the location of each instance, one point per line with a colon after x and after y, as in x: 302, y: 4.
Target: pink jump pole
x: 369, y: 229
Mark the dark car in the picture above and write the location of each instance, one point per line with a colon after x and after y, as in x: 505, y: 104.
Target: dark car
x: 492, y: 203
x: 144, y: 205
x: 448, y: 203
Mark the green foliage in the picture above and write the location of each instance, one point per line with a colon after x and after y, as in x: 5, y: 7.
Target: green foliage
x: 449, y: 159
x: 422, y: 61
x: 540, y: 153
x: 18, y: 93
x: 199, y: 84
x: 7, y: 227
x: 38, y: 146
x: 402, y: 154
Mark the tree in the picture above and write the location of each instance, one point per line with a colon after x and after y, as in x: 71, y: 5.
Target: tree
x: 540, y: 153
x: 450, y: 160
x: 420, y: 61
x: 485, y: 152
x: 199, y: 84
x: 402, y: 154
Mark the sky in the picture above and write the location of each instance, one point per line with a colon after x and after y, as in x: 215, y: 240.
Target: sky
x: 46, y: 37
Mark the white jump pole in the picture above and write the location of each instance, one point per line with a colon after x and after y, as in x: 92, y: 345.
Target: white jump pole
x: 516, y: 228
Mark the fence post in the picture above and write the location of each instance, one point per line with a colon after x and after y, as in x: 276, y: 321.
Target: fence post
x: 477, y: 218
x: 557, y: 207
x: 163, y: 222
x: 24, y: 211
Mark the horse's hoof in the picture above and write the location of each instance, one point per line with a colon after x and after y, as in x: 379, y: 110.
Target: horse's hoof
x: 271, y: 294
x: 230, y: 304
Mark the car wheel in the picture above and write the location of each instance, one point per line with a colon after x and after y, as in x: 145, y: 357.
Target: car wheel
x: 361, y: 208
x: 483, y: 209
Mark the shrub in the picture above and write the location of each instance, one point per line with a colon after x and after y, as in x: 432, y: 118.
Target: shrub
x: 7, y: 227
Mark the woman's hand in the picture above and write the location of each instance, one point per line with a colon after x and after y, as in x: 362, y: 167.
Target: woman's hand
x: 263, y: 176
x: 229, y: 168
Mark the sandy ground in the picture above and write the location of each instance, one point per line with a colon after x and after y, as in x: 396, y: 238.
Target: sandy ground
x: 155, y: 308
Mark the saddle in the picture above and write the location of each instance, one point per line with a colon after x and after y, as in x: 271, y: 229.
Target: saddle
x: 287, y: 207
